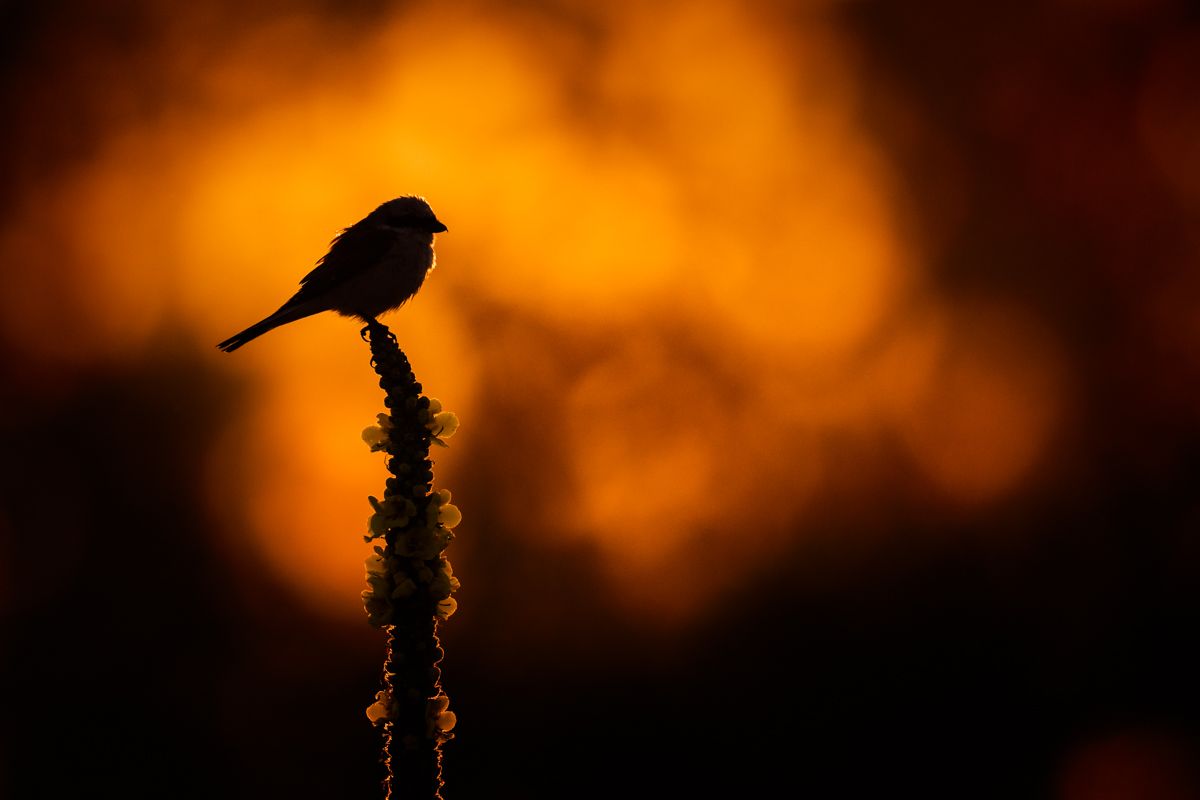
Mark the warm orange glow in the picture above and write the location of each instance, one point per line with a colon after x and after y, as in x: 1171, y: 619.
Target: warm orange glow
x: 698, y: 170
x: 647, y: 436
x: 987, y: 416
x: 1169, y: 120
x: 1148, y: 765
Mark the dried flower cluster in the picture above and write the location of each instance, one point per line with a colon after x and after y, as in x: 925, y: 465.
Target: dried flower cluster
x: 410, y: 580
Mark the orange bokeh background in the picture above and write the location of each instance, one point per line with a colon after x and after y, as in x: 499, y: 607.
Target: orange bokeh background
x: 727, y: 223
x: 728, y: 289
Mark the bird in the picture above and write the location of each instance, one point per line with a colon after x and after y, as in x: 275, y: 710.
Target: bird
x: 375, y: 265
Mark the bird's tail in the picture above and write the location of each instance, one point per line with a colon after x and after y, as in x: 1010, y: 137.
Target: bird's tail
x: 280, y: 317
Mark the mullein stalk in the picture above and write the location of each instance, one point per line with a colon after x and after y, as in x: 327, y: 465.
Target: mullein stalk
x: 410, y: 580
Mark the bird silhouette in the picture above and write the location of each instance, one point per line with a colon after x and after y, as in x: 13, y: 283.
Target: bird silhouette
x: 373, y: 266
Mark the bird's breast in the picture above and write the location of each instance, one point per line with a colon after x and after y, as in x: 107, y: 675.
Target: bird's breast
x: 388, y: 283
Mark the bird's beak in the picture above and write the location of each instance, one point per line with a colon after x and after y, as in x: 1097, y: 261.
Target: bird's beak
x: 437, y: 227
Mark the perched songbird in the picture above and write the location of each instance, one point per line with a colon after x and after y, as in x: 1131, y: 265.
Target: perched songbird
x: 373, y: 266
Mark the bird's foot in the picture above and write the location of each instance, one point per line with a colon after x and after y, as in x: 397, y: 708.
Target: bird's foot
x: 374, y: 328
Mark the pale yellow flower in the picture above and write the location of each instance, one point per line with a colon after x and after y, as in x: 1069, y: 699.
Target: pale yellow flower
x: 446, y: 608
x: 376, y: 436
x: 441, y: 718
x: 449, y: 515
x: 380, y: 711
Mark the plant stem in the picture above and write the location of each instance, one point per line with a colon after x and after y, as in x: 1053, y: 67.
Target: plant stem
x: 413, y: 566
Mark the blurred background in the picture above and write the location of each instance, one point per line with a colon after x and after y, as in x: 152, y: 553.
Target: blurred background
x: 827, y: 373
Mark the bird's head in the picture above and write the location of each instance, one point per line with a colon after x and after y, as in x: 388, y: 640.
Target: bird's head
x: 408, y: 212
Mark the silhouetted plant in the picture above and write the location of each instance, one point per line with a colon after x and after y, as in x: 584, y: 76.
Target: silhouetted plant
x: 410, y: 579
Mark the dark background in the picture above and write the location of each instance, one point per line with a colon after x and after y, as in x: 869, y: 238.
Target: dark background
x: 1040, y: 646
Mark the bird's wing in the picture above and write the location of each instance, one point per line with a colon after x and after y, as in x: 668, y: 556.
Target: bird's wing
x: 353, y: 250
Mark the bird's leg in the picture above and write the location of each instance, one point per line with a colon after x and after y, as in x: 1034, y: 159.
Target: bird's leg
x: 373, y: 328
